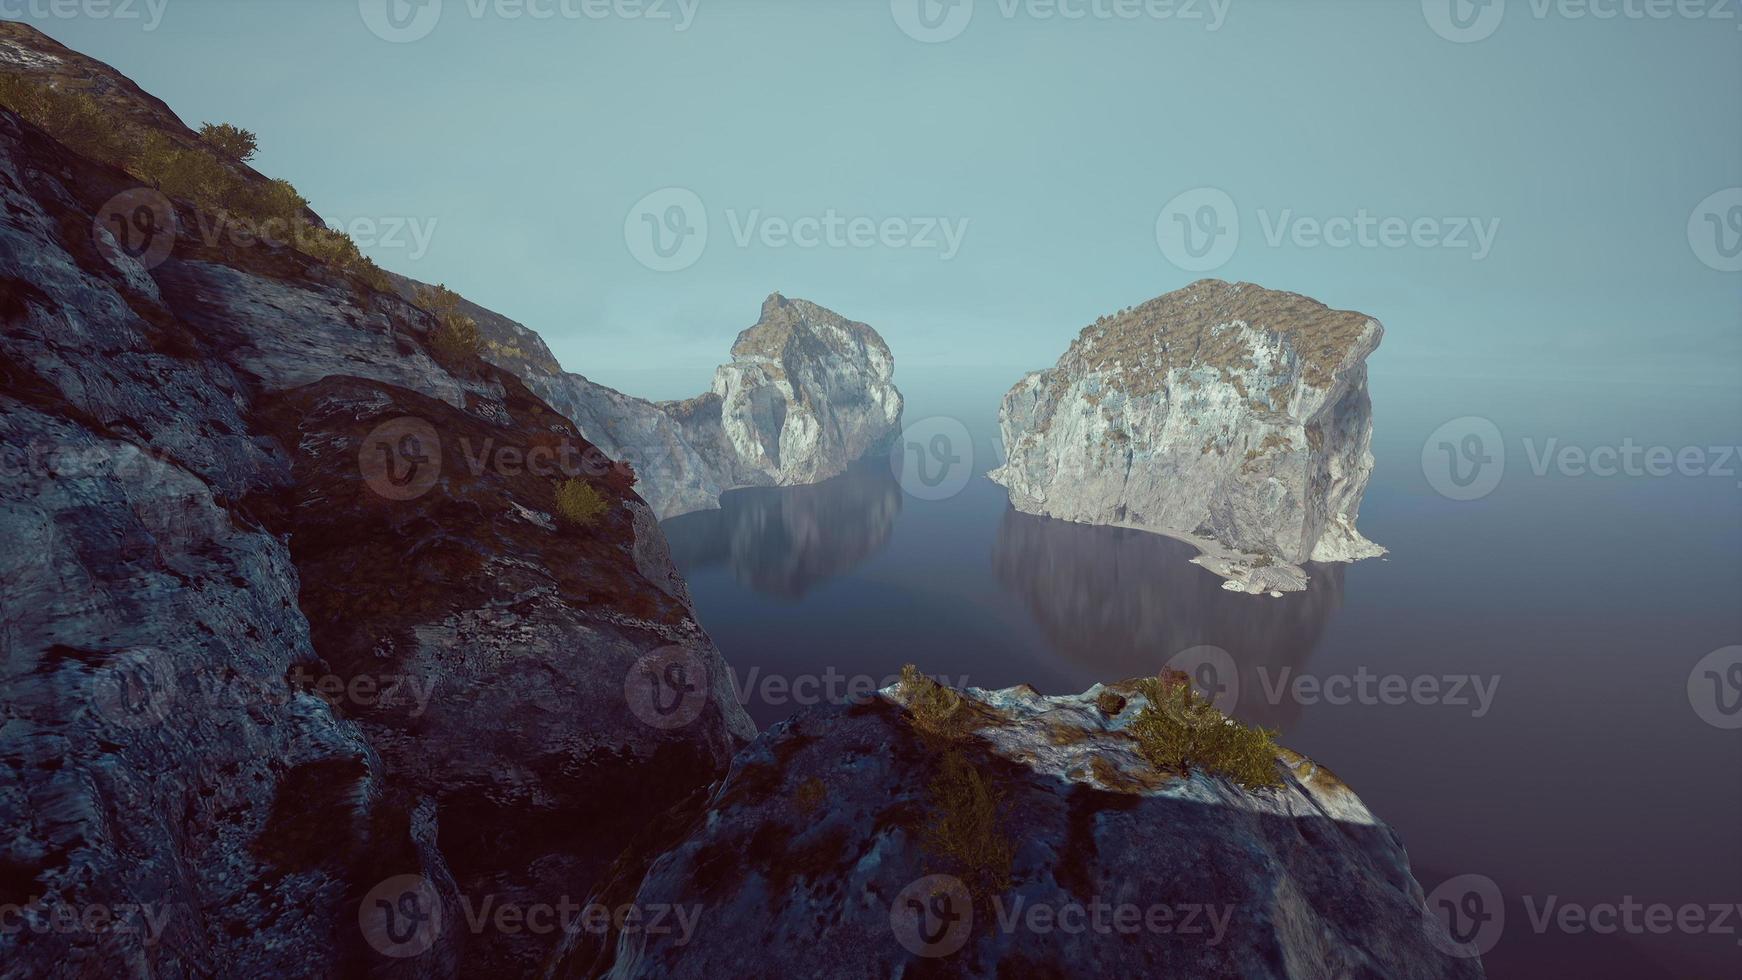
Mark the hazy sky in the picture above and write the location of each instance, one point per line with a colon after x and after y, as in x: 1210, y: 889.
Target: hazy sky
x: 1529, y: 190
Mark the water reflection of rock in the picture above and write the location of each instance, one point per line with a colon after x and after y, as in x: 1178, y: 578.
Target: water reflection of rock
x: 1121, y: 602
x: 784, y: 540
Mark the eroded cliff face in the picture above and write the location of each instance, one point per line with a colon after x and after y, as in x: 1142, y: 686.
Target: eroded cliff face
x: 806, y: 393
x: 812, y: 859
x: 263, y: 654
x: 1228, y: 415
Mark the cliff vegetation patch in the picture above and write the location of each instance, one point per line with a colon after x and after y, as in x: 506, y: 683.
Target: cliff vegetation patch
x: 964, y: 828
x: 1178, y: 731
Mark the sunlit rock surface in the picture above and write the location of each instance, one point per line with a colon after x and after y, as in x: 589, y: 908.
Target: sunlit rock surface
x: 1228, y: 415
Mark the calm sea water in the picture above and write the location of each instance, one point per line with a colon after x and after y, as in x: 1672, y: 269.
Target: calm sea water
x: 1579, y: 604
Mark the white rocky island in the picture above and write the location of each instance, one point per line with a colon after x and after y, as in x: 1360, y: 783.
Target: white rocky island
x: 807, y: 392
x: 1227, y: 415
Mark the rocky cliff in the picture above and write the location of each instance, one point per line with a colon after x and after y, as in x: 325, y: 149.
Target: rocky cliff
x: 1009, y: 834
x: 1231, y: 416
x: 306, y: 656
x: 806, y: 393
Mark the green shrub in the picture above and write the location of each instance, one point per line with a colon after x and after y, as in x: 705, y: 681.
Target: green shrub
x: 936, y: 710
x: 190, y: 174
x: 336, y: 249
x: 455, y: 339
x: 964, y: 827
x: 1179, y: 731
x: 963, y: 830
x: 202, y: 174
x: 74, y: 118
x: 234, y: 142
x: 578, y: 503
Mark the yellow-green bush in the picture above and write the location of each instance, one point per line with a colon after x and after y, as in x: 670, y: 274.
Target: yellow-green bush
x: 455, y: 339
x: 202, y: 174
x: 74, y: 118
x: 234, y: 142
x: 1178, y: 730
x: 963, y: 829
x: 578, y: 503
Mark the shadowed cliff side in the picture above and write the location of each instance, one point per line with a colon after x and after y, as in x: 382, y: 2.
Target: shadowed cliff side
x: 265, y: 655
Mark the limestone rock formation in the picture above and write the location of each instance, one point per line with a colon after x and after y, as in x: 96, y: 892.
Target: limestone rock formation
x: 806, y: 393
x: 1228, y: 415
x: 811, y: 858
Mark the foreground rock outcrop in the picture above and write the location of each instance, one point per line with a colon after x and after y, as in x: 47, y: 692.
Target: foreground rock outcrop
x: 813, y: 858
x: 283, y: 630
x: 806, y: 393
x: 1227, y: 415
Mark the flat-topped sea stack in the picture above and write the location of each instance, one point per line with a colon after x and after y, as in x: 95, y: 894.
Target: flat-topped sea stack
x: 1227, y: 415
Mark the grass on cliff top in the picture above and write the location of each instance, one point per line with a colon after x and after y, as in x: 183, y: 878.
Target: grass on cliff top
x: 1178, y: 731
x: 964, y: 830
x: 1179, y: 329
x: 208, y: 172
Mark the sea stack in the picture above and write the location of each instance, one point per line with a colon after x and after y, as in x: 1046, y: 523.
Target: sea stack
x: 1228, y: 415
